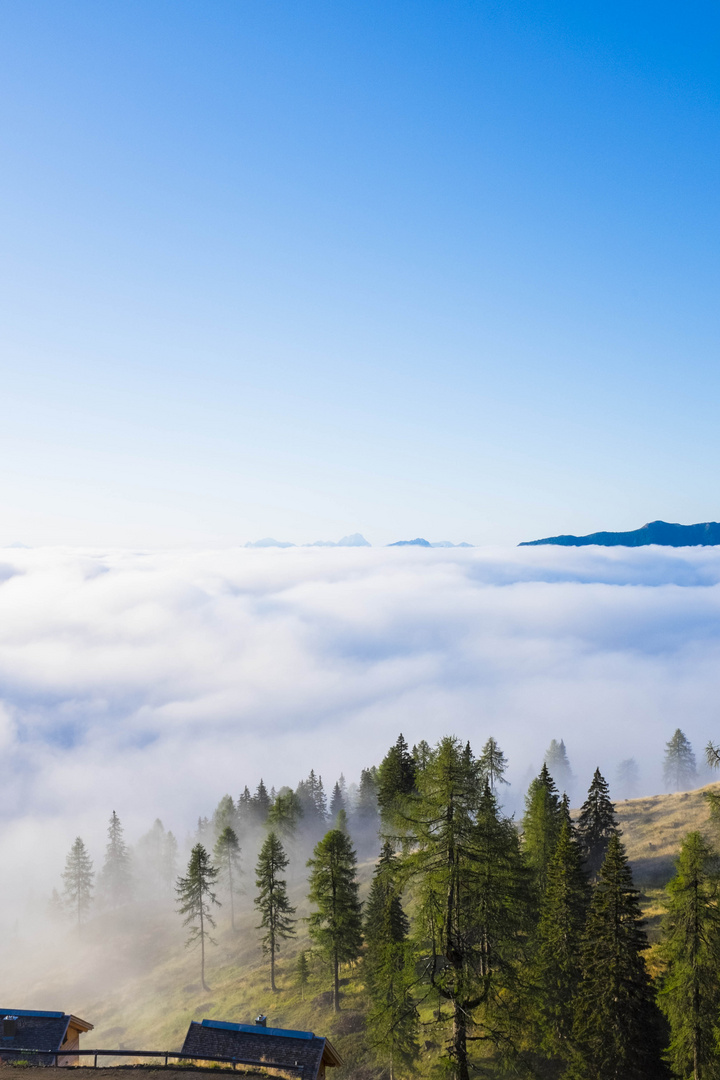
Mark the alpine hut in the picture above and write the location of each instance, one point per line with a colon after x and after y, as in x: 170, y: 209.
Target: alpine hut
x: 301, y: 1053
x: 36, y: 1036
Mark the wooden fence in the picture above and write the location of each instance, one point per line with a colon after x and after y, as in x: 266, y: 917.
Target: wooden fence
x: 9, y: 1055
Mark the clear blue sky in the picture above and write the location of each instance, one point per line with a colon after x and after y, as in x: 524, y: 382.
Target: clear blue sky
x: 410, y: 268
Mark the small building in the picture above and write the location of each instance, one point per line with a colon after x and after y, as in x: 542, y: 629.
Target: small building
x: 44, y: 1033
x: 300, y: 1052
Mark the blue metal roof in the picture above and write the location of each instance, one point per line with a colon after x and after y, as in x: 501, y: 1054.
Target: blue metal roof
x: 31, y: 1012
x: 257, y: 1029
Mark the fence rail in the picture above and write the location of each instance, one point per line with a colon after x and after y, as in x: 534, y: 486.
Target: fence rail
x: 7, y: 1052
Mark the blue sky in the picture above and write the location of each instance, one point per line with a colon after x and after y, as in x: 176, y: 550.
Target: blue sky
x: 443, y: 269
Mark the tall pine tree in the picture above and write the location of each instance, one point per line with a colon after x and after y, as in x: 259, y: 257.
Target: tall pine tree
x: 276, y: 911
x: 493, y: 764
x: 78, y: 880
x: 616, y: 1020
x: 195, y: 900
x: 227, y: 860
x: 555, y: 968
x: 392, y: 1021
x: 597, y: 823
x: 679, y: 768
x: 690, y: 948
x: 336, y: 925
x: 396, y: 780
x: 115, y: 876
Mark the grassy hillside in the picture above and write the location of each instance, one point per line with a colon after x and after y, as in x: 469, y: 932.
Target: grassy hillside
x: 140, y: 987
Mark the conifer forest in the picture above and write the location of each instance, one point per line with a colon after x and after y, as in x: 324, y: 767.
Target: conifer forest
x: 432, y: 933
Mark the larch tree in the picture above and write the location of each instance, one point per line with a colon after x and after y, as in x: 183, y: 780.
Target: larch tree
x: 471, y: 899
x: 679, y: 766
x: 596, y: 824
x: 116, y: 883
x: 276, y: 911
x: 225, y: 814
x: 78, y: 880
x: 227, y: 859
x: 493, y: 764
x: 690, y: 949
x: 336, y: 925
x: 285, y: 814
x: 541, y: 824
x: 195, y: 900
x: 616, y: 1020
x: 392, y: 1021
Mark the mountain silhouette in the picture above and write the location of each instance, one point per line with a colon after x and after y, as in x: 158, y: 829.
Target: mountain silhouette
x: 663, y: 533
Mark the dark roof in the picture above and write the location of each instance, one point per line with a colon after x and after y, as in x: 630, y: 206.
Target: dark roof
x: 296, y: 1050
x: 37, y: 1029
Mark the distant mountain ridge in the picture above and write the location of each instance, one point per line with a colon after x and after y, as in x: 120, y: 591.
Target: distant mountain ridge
x: 420, y: 542
x: 663, y: 533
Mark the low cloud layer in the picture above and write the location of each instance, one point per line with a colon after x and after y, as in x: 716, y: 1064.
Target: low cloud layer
x: 153, y: 683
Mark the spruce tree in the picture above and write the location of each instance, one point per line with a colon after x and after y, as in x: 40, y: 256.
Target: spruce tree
x: 422, y: 754
x: 558, y: 765
x: 615, y: 1028
x: 115, y: 876
x: 366, y: 812
x: 493, y: 764
x: 227, y: 859
x: 396, y: 780
x: 336, y: 925
x: 555, y: 968
x: 471, y: 897
x: 261, y: 804
x: 302, y: 973
x: 195, y: 897
x: 596, y: 824
x: 541, y: 824
x: 690, y: 948
x: 78, y: 880
x: 276, y: 912
x: 679, y: 768
x: 244, y: 812
x: 392, y: 1020
x: 337, y: 802
x: 311, y: 797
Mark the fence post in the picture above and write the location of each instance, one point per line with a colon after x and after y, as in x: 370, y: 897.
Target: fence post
x: 95, y: 1065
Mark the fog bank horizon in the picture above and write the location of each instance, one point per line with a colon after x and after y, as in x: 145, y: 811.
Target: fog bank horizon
x: 153, y: 682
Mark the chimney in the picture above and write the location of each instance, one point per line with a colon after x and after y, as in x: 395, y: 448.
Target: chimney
x: 261, y: 1021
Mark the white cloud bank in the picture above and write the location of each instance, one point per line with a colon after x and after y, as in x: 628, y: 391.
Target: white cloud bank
x: 152, y: 683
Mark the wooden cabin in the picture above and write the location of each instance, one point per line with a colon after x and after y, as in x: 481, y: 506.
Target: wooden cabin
x: 34, y: 1035
x: 299, y: 1052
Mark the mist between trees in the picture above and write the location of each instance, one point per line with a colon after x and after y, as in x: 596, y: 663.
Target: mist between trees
x: 492, y: 943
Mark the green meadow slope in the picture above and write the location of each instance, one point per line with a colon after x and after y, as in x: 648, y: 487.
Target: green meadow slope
x: 140, y: 987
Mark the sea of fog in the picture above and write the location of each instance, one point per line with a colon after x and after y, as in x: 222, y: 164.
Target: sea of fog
x: 153, y: 682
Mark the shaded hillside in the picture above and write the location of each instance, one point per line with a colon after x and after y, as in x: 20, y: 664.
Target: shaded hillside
x: 663, y: 533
